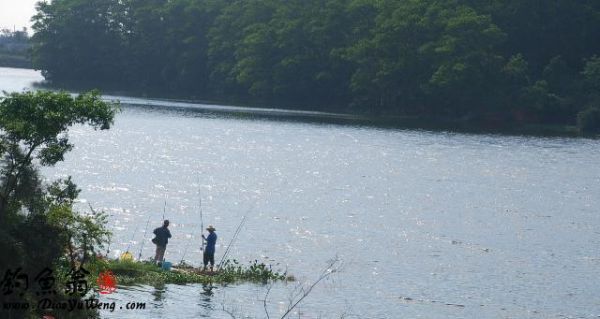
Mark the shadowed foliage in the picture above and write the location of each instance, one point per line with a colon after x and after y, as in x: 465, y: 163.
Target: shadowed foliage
x: 39, y: 228
x: 487, y: 62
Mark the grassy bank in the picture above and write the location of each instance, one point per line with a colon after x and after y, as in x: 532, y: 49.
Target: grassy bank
x: 147, y: 273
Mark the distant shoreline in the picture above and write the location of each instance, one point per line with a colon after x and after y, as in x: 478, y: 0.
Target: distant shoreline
x: 140, y: 99
x: 15, y: 61
x: 346, y: 118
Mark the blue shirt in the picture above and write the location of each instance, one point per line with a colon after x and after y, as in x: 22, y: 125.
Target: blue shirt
x: 211, y: 240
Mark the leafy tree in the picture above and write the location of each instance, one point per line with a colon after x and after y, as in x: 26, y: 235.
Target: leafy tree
x: 515, y: 75
x: 308, y: 69
x: 542, y: 30
x: 588, y: 120
x: 538, y: 99
x: 427, y: 52
x: 81, y: 233
x: 74, y: 39
x: 188, y: 23
x: 466, y: 64
x: 591, y: 80
x: 229, y: 57
x: 34, y: 126
x: 37, y: 221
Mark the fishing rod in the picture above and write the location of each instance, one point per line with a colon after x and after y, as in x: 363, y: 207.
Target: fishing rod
x: 237, y: 232
x: 201, y: 224
x: 184, y: 253
x: 144, y: 241
x: 234, y: 237
x: 110, y: 237
x: 201, y: 217
x: 165, y: 207
x: 132, y: 237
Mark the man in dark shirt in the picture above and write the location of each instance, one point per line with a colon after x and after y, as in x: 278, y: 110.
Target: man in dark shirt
x: 209, y: 251
x: 162, y: 238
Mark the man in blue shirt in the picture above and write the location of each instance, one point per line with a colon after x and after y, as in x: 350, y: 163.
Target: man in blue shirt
x: 162, y: 238
x: 209, y: 251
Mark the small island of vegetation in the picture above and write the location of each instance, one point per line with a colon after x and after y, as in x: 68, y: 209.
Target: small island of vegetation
x: 146, y: 272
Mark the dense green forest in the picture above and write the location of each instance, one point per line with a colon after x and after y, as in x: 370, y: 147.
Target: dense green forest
x: 511, y: 61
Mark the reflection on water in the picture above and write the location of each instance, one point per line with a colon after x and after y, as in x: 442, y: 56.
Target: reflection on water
x: 429, y: 225
x: 206, y: 301
x: 208, y: 290
x: 158, y: 293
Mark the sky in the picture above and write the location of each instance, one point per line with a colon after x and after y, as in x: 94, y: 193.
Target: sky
x: 16, y: 13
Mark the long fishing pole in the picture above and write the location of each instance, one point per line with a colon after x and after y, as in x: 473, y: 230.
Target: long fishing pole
x: 165, y: 207
x: 201, y: 224
x: 132, y: 237
x: 237, y: 232
x: 144, y: 241
x: 184, y: 252
x: 201, y: 217
x: 233, y: 239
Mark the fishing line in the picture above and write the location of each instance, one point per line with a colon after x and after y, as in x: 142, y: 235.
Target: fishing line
x: 235, y: 235
x: 201, y: 223
x: 201, y: 217
x: 164, y: 207
x: 237, y: 231
x: 144, y: 241
x: 132, y: 237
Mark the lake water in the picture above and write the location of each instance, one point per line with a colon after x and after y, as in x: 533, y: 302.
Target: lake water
x: 427, y: 224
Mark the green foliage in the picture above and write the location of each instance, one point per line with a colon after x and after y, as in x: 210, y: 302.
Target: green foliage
x: 591, y: 73
x: 58, y: 30
x: 540, y: 100
x: 232, y: 270
x: 15, y: 49
x: 37, y: 221
x: 591, y: 80
x: 449, y: 59
x: 135, y: 273
x: 34, y: 126
x: 588, y: 120
x: 38, y: 240
x: 82, y: 234
x: 40, y: 120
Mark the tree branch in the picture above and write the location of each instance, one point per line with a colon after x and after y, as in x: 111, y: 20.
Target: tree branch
x: 266, y: 298
x: 331, y: 268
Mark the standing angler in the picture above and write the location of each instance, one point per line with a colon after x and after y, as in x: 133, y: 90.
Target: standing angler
x: 209, y: 251
x: 162, y: 238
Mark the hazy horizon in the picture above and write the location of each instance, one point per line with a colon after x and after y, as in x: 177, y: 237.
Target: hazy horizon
x: 16, y: 14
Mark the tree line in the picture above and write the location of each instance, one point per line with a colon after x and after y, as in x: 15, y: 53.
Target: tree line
x: 15, y: 48
x: 506, y: 61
